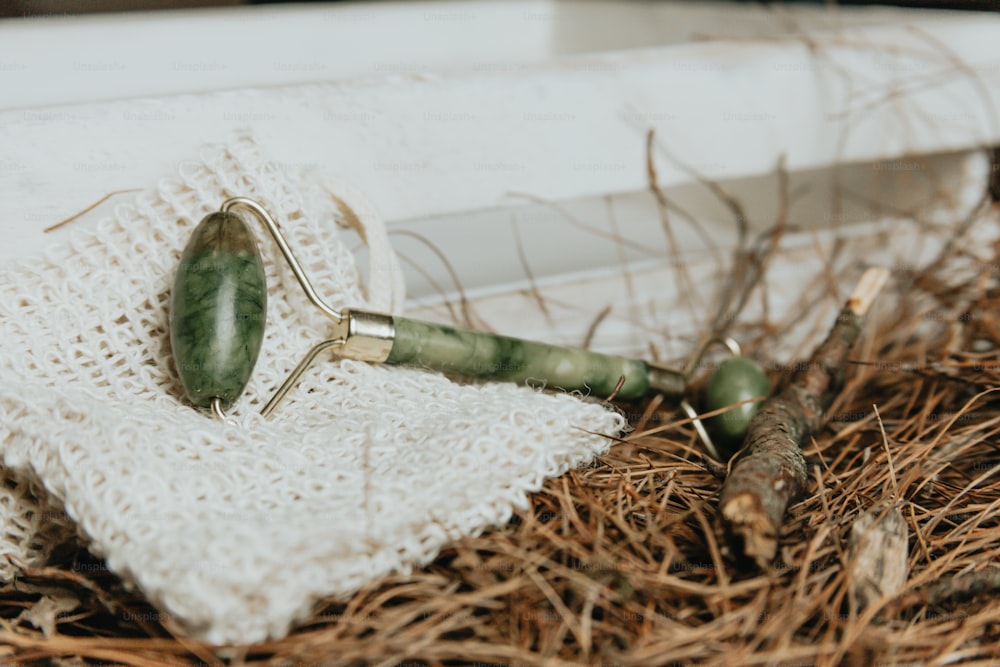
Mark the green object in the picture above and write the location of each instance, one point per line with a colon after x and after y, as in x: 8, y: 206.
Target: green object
x: 484, y: 355
x: 736, y: 379
x: 218, y: 309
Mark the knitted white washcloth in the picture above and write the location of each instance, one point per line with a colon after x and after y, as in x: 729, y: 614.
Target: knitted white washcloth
x: 236, y: 529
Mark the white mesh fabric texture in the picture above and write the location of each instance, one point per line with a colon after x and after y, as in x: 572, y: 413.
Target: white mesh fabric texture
x: 235, y: 529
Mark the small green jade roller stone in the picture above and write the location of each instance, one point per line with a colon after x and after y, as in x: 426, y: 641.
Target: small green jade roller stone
x: 736, y: 379
x: 217, y: 310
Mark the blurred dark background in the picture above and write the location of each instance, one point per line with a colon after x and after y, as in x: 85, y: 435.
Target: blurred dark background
x: 10, y: 8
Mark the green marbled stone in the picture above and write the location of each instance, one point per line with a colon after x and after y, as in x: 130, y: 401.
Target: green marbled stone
x: 736, y: 379
x: 218, y: 309
x: 483, y: 355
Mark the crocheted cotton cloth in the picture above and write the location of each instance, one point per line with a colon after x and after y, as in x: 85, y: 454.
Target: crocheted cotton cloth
x: 235, y: 529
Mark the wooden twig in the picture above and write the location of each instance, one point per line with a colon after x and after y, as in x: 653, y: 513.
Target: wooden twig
x: 959, y: 587
x: 770, y: 471
x: 66, y: 221
x: 878, y: 548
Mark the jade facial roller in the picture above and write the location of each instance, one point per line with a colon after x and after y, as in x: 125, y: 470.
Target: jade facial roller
x: 218, y: 310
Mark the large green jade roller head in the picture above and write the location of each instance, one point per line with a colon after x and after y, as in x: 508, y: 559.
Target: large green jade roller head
x: 218, y: 310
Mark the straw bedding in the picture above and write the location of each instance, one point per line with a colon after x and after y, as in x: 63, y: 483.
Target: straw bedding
x: 618, y: 563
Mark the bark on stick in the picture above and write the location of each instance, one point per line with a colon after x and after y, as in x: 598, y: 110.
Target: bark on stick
x: 958, y: 587
x: 770, y: 471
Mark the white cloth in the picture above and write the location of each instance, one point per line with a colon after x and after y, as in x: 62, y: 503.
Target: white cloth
x: 235, y: 529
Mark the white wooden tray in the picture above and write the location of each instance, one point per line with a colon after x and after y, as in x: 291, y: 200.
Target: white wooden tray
x: 466, y: 120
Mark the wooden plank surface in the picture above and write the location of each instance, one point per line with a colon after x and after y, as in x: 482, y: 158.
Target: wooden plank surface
x: 462, y: 148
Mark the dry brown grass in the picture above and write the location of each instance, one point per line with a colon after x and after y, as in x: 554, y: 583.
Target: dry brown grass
x: 618, y: 564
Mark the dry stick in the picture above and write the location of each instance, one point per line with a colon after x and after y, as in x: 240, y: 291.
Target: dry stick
x: 66, y: 221
x: 959, y: 587
x: 751, y: 263
x: 680, y: 268
x: 463, y: 299
x: 592, y: 329
x: 533, y: 290
x: 770, y: 471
